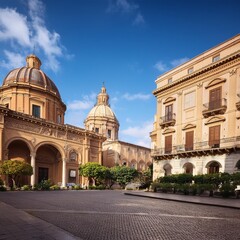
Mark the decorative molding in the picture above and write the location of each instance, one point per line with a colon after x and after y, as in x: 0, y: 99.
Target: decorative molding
x: 169, y: 99
x: 168, y: 130
x: 216, y: 82
x: 233, y: 71
x: 199, y: 85
x: 215, y: 120
x: 188, y: 126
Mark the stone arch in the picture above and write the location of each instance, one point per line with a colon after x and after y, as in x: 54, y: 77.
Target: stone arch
x: 141, y: 165
x: 58, y: 147
x: 124, y: 162
x: 237, y: 166
x: 49, y: 157
x: 26, y: 141
x: 133, y: 164
x: 167, y: 169
x: 19, y: 149
x: 188, y: 168
x: 213, y: 167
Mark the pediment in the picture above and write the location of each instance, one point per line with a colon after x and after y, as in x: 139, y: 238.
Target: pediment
x: 216, y: 81
x: 215, y: 119
x: 189, y: 126
x: 169, y: 99
x: 168, y: 130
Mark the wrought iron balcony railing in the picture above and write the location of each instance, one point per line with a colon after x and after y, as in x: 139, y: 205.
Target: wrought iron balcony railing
x: 215, y: 107
x: 168, y: 120
x: 197, y: 149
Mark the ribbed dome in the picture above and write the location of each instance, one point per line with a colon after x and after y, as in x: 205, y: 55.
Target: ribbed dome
x: 31, y: 75
x: 102, y: 108
x: 102, y: 111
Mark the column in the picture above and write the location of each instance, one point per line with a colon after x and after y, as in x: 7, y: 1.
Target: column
x: 64, y: 163
x: 33, y: 163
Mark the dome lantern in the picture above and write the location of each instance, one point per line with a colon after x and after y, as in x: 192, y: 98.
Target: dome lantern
x: 33, y: 61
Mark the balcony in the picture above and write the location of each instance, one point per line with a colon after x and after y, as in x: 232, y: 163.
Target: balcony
x: 198, y: 149
x: 215, y: 107
x: 168, y: 120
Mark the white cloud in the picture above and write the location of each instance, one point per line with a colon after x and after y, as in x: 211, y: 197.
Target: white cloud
x: 139, y: 19
x: 161, y: 67
x: 137, y: 96
x: 77, y: 110
x: 80, y: 105
x: 122, y: 6
x: 14, y: 27
x: 30, y: 32
x: 48, y: 41
x: 127, y: 8
x: 85, y: 103
x: 139, y: 134
x: 179, y: 61
x: 14, y: 60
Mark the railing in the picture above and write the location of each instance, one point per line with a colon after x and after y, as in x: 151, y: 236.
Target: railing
x: 219, y: 103
x: 168, y: 118
x: 198, y: 146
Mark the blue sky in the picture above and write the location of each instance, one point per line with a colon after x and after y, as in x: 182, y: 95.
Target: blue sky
x: 124, y: 43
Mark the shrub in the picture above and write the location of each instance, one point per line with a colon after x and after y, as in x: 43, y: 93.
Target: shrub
x: 55, y: 187
x: 227, y: 190
x: 77, y: 187
x: 26, y: 187
x: 3, y: 188
x: 44, y: 185
x: 92, y: 187
x: 100, y: 187
x: 1, y: 182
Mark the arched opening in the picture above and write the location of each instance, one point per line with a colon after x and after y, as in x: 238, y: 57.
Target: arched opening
x: 134, y: 164
x: 141, y: 166
x: 167, y: 169
x: 19, y: 150
x: 237, y: 167
x: 213, y: 167
x: 188, y: 168
x: 48, y: 164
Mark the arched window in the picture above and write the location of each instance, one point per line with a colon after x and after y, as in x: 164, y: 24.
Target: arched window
x: 188, y: 168
x: 167, y: 170
x: 213, y: 167
x: 237, y: 167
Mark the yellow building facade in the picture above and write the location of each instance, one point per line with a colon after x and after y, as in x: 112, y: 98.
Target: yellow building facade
x: 32, y: 128
x: 197, y: 122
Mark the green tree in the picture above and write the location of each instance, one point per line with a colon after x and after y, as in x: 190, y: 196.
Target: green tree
x: 14, y: 169
x: 93, y: 171
x: 123, y: 175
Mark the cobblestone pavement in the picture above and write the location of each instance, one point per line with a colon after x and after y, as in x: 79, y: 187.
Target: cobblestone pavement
x: 103, y: 215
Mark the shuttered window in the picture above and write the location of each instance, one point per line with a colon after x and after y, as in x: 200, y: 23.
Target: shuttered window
x: 189, y: 141
x: 169, y: 112
x: 168, y: 144
x: 215, y: 96
x: 214, y: 136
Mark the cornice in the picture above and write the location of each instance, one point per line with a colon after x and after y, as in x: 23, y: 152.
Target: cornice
x: 42, y: 122
x: 208, y: 69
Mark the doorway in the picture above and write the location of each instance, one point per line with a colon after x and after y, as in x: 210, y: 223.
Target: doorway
x: 42, y: 174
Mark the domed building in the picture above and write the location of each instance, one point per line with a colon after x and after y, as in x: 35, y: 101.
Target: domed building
x: 101, y: 119
x: 32, y: 128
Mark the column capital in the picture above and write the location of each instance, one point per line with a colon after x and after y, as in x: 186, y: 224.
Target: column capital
x: 33, y: 154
